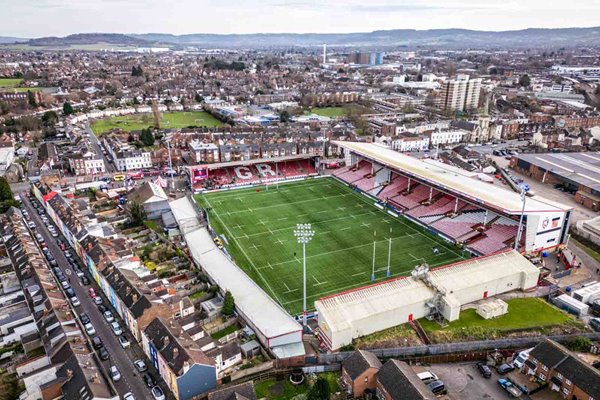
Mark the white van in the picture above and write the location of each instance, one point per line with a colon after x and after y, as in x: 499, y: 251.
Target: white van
x: 521, y: 357
x: 427, y: 377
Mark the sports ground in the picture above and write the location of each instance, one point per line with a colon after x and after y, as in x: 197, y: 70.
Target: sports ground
x: 170, y: 120
x: 258, y: 228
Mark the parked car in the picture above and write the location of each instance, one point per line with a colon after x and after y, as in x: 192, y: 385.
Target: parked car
x: 97, y: 342
x: 124, y: 341
x: 84, y: 318
x: 92, y: 292
x: 75, y: 301
x: 427, y: 377
x: 115, y: 374
x: 437, y: 387
x: 89, y: 328
x: 484, y: 370
x: 102, y: 308
x: 595, y: 324
x: 140, y: 365
x: 507, y: 385
x: 116, y: 328
x: 149, y: 380
x: 98, y: 300
x: 108, y: 316
x: 103, y: 353
x: 85, y: 280
x: 128, y: 396
x: 505, y: 369
x: 157, y: 393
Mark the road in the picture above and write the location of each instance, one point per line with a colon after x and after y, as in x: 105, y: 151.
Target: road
x: 131, y: 380
x: 110, y: 167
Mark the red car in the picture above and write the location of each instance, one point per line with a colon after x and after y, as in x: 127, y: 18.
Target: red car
x: 92, y: 292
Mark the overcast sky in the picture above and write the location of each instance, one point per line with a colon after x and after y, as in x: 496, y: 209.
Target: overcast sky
x: 35, y: 18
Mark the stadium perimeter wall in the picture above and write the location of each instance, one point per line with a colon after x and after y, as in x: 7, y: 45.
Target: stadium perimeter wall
x: 354, y: 313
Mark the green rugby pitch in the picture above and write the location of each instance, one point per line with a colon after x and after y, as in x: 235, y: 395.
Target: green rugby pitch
x: 259, y: 230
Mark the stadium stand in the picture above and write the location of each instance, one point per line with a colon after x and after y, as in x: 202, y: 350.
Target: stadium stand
x: 494, y: 239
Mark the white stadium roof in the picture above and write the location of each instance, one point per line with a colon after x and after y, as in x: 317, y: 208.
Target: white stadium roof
x: 267, y: 316
x: 359, y: 310
x: 450, y: 179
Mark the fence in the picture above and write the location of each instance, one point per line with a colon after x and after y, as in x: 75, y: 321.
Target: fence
x: 456, y: 348
x: 317, y: 369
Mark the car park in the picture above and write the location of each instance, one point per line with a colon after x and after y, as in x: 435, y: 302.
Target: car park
x: 89, y: 328
x: 124, y: 342
x: 108, y: 316
x: 140, y: 365
x: 116, y: 328
x: 157, y: 393
x: 115, y: 375
x: 103, y: 353
x: 149, y: 380
x: 484, y: 370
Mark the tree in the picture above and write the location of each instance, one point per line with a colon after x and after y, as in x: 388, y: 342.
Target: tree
x: 319, y: 391
x: 524, y: 80
x: 137, y: 71
x: 199, y: 98
x: 228, y: 303
x: 136, y: 101
x: 136, y: 214
x: 284, y: 116
x: 7, y: 199
x: 9, y: 386
x: 50, y: 118
x: 68, y: 108
x: 4, y: 107
x: 146, y: 137
x: 31, y: 99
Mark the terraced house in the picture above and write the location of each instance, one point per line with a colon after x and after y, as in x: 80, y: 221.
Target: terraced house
x: 140, y: 298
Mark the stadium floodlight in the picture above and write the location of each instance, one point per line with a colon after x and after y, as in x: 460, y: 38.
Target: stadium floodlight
x: 304, y: 234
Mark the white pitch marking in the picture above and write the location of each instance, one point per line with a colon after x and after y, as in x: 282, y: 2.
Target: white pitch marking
x: 365, y: 225
x: 280, y: 242
x: 346, y: 228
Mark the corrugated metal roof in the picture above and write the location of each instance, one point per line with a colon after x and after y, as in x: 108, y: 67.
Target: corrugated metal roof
x: 452, y: 181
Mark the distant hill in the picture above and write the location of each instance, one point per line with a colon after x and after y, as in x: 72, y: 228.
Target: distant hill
x: 8, y: 39
x: 411, y: 38
x: 88, y: 39
x: 452, y: 38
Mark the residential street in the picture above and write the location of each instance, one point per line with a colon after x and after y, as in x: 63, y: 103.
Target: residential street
x: 131, y: 380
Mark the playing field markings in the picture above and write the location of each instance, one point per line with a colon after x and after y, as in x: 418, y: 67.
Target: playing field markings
x: 280, y: 242
x: 346, y: 228
x: 247, y: 257
x: 260, y: 221
x: 282, y: 219
x: 386, y: 221
x: 365, y: 225
x: 287, y: 204
x: 238, y: 226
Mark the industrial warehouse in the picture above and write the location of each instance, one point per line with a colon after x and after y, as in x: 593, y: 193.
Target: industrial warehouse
x: 574, y: 172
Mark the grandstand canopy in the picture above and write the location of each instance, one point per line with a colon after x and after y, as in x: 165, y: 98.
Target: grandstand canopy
x: 450, y: 180
x: 276, y: 328
x: 254, y: 161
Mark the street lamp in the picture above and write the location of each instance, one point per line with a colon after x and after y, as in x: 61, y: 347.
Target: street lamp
x: 520, y: 230
x: 304, y: 234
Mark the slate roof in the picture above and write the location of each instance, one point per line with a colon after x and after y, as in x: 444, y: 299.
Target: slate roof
x: 359, y: 362
x: 238, y: 392
x: 401, y: 382
x: 557, y: 357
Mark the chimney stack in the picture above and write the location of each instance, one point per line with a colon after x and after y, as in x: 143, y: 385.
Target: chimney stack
x: 175, y: 353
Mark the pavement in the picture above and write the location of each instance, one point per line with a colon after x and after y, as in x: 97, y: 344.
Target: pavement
x: 131, y: 380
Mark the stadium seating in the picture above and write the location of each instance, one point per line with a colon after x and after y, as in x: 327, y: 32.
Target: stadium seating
x: 453, y: 228
x: 436, y: 208
x: 397, y: 184
x: 494, y: 238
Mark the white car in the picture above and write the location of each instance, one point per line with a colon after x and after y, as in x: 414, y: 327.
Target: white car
x: 108, y: 316
x: 124, y: 342
x: 157, y: 393
x: 75, y: 301
x: 116, y: 328
x: 89, y: 328
x: 65, y: 284
x: 98, y: 300
x: 129, y: 396
x: 115, y: 375
x: 140, y: 365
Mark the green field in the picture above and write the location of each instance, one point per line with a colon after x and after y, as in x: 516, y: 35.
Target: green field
x: 170, y: 120
x: 523, y: 314
x: 331, y: 112
x: 258, y: 228
x: 9, y: 82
